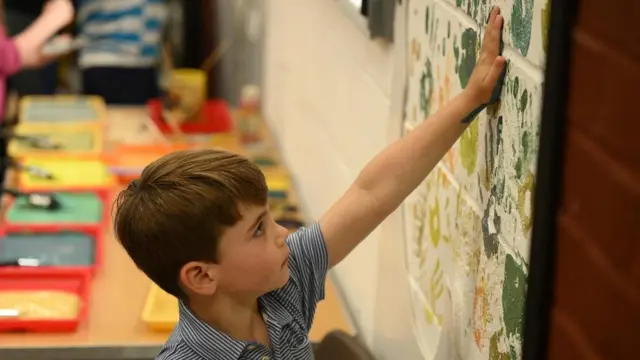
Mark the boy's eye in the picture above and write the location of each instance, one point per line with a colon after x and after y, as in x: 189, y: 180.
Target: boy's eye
x: 259, y: 230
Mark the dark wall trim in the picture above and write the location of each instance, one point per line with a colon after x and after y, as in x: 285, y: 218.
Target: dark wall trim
x: 548, y: 189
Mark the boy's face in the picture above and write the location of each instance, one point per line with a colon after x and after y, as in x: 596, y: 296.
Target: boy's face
x: 253, y: 256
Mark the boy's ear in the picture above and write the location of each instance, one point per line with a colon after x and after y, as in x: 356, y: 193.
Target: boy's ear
x: 199, y: 277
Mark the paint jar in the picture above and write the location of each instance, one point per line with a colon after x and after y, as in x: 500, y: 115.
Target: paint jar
x: 249, y: 120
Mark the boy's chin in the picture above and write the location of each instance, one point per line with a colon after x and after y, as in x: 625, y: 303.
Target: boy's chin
x: 283, y: 279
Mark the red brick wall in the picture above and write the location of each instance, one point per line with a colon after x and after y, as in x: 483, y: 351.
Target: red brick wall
x: 597, y: 307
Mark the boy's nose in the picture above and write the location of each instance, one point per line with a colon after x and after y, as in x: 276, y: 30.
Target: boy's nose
x: 282, y: 235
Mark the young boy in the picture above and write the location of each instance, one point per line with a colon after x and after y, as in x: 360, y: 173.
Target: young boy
x: 197, y: 223
x: 121, y: 58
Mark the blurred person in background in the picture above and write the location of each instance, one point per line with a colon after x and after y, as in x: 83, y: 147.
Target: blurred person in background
x: 18, y: 16
x: 23, y: 51
x: 122, y: 55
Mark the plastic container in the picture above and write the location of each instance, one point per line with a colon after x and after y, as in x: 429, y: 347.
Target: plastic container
x: 160, y: 312
x: 190, y: 81
x: 79, y: 209
x: 63, y: 280
x: 57, y: 110
x: 74, y: 139
x: 57, y: 247
x: 76, y: 173
x: 215, y: 118
x: 249, y: 120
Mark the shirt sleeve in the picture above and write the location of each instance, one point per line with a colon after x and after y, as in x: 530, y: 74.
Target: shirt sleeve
x: 308, y: 266
x: 9, y: 57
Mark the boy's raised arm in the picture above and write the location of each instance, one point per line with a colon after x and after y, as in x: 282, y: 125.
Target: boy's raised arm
x: 394, y: 173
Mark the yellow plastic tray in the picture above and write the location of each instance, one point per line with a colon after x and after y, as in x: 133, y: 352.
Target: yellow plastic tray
x: 68, y: 173
x: 160, y: 311
x: 67, y: 135
x: 57, y: 110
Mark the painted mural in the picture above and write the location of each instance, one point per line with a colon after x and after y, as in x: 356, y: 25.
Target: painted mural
x: 468, y: 226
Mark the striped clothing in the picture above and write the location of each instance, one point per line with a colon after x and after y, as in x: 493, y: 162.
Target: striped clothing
x: 121, y: 33
x: 288, y: 312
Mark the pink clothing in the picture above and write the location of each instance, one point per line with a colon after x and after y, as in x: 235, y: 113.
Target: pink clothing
x: 9, y: 65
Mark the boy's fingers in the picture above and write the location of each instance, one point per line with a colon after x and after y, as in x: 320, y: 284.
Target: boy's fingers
x: 495, y: 71
x: 491, y: 43
x: 494, y: 12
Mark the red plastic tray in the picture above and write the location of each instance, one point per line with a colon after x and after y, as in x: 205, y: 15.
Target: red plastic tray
x: 104, y: 196
x: 97, y: 233
x: 215, y: 118
x: 65, y: 280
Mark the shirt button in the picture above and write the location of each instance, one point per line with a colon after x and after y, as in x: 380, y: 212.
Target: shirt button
x: 266, y: 358
x: 251, y: 347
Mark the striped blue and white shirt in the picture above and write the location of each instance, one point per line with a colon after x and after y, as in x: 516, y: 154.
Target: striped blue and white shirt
x: 288, y: 312
x: 121, y: 33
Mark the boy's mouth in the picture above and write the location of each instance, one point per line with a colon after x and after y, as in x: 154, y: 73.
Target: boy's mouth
x: 286, y: 260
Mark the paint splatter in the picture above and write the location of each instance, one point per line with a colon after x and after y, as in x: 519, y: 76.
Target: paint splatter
x: 545, y: 20
x: 435, y: 232
x: 434, y: 293
x: 481, y: 312
x: 448, y: 29
x: 513, y: 297
x: 525, y: 201
x: 490, y: 238
x: 524, y: 100
x: 426, y: 19
x: 494, y: 350
x: 426, y: 89
x: 468, y: 43
x: 521, y: 22
x: 456, y: 54
x: 524, y: 157
x: 469, y: 147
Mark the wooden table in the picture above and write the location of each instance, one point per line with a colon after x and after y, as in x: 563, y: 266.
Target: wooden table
x: 114, y: 329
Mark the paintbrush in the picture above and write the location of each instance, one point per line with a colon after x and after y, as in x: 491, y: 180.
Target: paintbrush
x: 30, y: 169
x: 26, y: 262
x: 38, y: 142
x: 36, y: 200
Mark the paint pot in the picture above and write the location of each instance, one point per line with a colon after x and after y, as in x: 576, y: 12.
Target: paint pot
x: 75, y: 208
x: 50, y: 249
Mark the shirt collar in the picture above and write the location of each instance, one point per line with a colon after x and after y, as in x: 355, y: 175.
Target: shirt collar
x: 205, y: 340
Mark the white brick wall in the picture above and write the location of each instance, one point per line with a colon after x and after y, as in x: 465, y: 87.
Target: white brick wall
x: 327, y: 97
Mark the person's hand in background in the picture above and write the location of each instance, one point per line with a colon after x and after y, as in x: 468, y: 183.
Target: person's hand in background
x: 59, y: 12
x: 56, y: 15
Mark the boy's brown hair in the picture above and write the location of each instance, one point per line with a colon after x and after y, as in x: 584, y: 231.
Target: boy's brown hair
x: 178, y: 209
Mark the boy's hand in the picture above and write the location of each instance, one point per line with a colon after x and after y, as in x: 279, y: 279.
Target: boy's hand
x: 60, y: 12
x: 490, y: 65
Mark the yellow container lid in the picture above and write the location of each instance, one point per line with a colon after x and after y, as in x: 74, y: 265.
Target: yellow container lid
x: 160, y: 311
x: 68, y: 173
